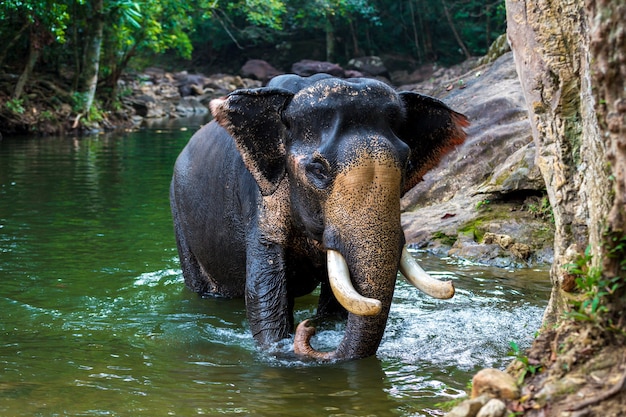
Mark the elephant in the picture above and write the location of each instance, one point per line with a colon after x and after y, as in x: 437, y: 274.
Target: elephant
x: 297, y: 185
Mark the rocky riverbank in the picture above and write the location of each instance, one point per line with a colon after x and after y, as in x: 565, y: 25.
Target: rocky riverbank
x: 486, y: 201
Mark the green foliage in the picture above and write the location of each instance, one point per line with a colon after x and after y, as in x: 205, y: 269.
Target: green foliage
x: 225, y: 31
x: 540, y: 208
x: 616, y: 248
x: 450, y: 404
x: 47, y: 17
x: 594, y: 287
x: 483, y: 204
x: 15, y: 105
x: 444, y: 238
x: 527, y: 366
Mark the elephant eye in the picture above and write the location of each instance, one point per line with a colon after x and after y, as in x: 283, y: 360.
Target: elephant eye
x: 318, y: 174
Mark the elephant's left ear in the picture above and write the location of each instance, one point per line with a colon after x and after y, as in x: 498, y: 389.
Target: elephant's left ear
x: 253, y: 119
x: 431, y: 129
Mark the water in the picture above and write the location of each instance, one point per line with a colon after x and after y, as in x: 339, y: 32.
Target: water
x: 95, y: 319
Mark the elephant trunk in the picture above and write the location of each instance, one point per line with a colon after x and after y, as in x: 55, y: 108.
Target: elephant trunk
x: 366, y: 325
x: 363, y: 226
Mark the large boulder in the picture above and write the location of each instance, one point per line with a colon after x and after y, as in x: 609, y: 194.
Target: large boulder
x: 489, y: 185
x: 260, y: 70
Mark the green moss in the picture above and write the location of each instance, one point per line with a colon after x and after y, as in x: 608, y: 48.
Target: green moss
x: 474, y: 228
x: 444, y: 238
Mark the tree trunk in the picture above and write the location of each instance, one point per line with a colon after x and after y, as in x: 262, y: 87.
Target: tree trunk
x: 330, y: 40
x: 454, y: 31
x: 571, y: 60
x: 608, y: 48
x: 415, y: 36
x: 34, y: 49
x: 88, y: 80
x: 550, y: 43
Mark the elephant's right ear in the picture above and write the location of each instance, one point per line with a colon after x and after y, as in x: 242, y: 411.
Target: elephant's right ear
x: 253, y: 119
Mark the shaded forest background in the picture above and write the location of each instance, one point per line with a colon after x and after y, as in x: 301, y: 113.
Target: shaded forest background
x: 73, y: 52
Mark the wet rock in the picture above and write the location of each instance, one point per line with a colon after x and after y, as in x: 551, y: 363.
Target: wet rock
x: 159, y: 94
x: 260, y: 70
x: 495, y: 383
x: 468, y: 408
x: 493, y: 408
x: 465, y: 247
x: 308, y: 67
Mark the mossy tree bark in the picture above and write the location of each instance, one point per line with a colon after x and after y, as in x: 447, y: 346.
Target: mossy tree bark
x: 88, y: 80
x: 608, y: 48
x: 550, y: 42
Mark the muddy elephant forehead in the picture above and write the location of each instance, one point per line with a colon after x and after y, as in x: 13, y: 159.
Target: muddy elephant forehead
x: 334, y: 91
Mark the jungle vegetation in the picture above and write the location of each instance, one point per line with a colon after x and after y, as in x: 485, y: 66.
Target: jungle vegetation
x: 78, y: 49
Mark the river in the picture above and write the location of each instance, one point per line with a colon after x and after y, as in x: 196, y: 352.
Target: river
x: 96, y: 320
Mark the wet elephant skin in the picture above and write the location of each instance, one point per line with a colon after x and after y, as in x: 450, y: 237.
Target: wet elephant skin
x: 289, y: 171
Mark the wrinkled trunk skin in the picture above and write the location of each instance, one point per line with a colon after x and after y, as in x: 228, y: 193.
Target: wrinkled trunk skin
x: 550, y: 43
x: 363, y: 224
x: 373, y: 277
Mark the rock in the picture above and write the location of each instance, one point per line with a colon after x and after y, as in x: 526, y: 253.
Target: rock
x: 486, y: 181
x: 147, y: 106
x: 505, y: 241
x: 353, y: 74
x: 223, y: 83
x: 480, y: 253
x: 190, y: 106
x: 493, y: 408
x: 369, y: 65
x: 308, y: 67
x: 468, y: 408
x: 422, y: 73
x: 259, y: 69
x: 190, y: 84
x: 496, y: 383
x: 167, y: 91
x: 517, y: 172
x: 521, y: 251
x: 498, y: 48
x: 499, y: 126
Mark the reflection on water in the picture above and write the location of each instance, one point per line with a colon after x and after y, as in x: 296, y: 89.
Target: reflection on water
x: 96, y: 319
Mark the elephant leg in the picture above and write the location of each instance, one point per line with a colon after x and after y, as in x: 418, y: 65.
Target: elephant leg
x: 268, y: 305
x: 328, y: 307
x: 192, y: 272
x: 195, y: 278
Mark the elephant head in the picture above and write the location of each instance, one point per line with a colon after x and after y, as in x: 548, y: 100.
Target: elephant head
x: 332, y: 159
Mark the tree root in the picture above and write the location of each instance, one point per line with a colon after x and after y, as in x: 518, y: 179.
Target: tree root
x: 602, y: 396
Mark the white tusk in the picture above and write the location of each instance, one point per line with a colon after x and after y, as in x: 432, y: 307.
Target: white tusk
x: 348, y: 297
x: 417, y: 277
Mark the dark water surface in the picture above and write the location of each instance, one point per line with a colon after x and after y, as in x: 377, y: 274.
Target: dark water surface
x: 95, y: 319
